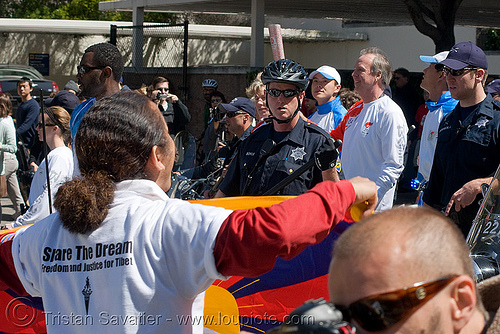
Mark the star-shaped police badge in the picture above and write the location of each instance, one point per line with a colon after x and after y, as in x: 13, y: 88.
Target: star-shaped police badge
x: 298, y: 153
x: 482, y: 121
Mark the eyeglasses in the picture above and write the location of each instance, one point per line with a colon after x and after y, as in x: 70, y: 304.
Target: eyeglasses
x: 216, y: 100
x: 381, y: 311
x: 438, y: 67
x: 40, y: 125
x: 274, y: 92
x: 231, y: 114
x: 82, y: 69
x: 163, y: 89
x: 456, y: 73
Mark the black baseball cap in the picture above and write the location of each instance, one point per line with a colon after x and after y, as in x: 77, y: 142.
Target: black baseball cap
x: 465, y: 54
x: 239, y: 103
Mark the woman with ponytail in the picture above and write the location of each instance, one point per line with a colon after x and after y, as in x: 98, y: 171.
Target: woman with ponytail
x: 60, y: 161
x: 120, y: 256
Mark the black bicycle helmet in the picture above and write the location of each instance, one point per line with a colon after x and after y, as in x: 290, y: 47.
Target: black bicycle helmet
x: 287, y: 71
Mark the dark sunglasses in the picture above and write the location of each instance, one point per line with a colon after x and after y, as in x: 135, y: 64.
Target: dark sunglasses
x: 274, y: 92
x: 82, y: 69
x: 232, y: 114
x: 216, y: 100
x: 40, y: 125
x: 438, y: 67
x: 456, y: 73
x: 381, y: 311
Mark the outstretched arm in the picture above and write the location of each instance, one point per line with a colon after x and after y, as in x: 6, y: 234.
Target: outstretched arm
x: 249, y: 241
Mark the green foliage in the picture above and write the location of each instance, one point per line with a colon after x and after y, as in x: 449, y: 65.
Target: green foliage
x: 83, y: 10
x: 71, y: 10
x: 492, y: 41
x: 32, y: 9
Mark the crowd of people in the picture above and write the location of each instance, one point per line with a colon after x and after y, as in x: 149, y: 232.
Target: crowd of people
x: 111, y: 156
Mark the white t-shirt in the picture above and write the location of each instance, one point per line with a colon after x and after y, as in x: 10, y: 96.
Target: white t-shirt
x: 140, y: 271
x: 374, y: 144
x: 329, y: 115
x: 60, y: 170
x: 428, y: 142
x: 324, y: 121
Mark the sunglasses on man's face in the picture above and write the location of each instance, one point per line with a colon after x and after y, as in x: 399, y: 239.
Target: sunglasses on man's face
x: 216, y: 100
x: 381, y: 311
x: 82, y: 69
x: 232, y: 114
x: 438, y: 67
x: 274, y: 92
x: 456, y: 73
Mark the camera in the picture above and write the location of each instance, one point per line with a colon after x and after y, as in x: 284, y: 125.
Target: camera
x: 315, y: 316
x: 161, y: 96
x: 217, y: 114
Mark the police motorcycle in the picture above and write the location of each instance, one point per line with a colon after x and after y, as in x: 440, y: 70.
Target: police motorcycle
x: 315, y: 317
x: 484, y: 235
x: 186, y: 182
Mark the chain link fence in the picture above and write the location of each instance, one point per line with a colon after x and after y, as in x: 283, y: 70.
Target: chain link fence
x: 152, y: 50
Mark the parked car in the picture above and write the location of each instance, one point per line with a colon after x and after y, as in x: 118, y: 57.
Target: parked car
x: 10, y: 74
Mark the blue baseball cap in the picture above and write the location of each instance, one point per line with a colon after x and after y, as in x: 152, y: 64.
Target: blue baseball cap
x: 239, y: 103
x: 465, y: 54
x: 493, y: 87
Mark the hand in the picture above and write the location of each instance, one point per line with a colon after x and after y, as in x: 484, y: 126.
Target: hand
x: 366, y: 191
x: 466, y: 195
x: 220, y: 145
x: 172, y: 98
x: 326, y: 156
x: 35, y: 166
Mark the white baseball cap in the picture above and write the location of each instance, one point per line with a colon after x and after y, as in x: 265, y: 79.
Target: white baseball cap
x: 328, y: 72
x: 437, y: 58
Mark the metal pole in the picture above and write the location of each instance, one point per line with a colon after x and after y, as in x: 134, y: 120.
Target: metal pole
x: 184, y: 61
x: 45, y: 151
x: 113, y: 34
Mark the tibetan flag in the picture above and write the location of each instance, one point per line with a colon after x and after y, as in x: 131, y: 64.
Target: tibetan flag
x: 259, y: 303
x: 21, y: 314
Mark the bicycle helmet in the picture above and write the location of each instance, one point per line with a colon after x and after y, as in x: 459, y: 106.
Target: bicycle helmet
x: 286, y: 71
x: 210, y: 83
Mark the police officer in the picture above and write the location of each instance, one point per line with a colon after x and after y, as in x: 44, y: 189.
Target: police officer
x: 468, y: 139
x: 276, y: 149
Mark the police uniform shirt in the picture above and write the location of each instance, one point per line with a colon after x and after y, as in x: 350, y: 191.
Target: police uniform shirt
x: 292, y: 150
x: 466, y: 150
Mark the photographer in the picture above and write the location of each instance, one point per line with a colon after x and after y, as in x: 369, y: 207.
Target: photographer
x: 174, y: 112
x: 215, y: 130
x: 238, y: 117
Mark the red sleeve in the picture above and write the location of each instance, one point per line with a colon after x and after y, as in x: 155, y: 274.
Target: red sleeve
x: 354, y: 110
x: 338, y: 132
x: 249, y: 241
x: 8, y: 277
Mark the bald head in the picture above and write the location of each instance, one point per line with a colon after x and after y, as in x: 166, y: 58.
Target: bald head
x: 431, y: 243
x: 396, y: 249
